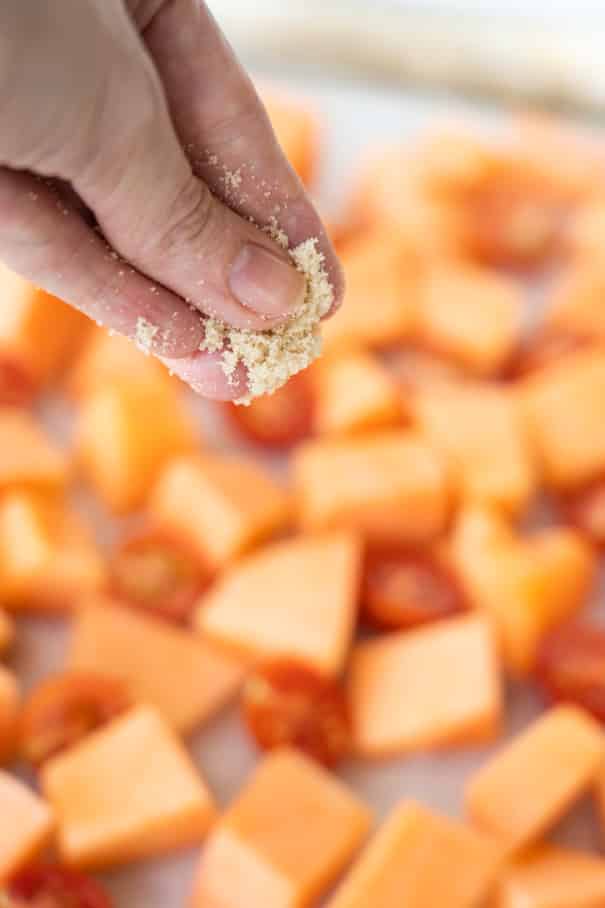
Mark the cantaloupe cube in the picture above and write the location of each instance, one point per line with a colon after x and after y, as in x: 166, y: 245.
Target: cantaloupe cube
x: 382, y: 284
x: 48, y: 557
x: 421, y: 860
x: 26, y: 825
x: 585, y: 232
x: 10, y: 701
x: 297, y: 131
x: 126, y: 792
x: 354, y: 394
x: 392, y: 487
x: 284, y: 839
x: 576, y: 304
x: 221, y: 507
x: 551, y: 877
x: 392, y: 196
x: 430, y: 687
x: 185, y: 677
x: 470, y: 314
x: 294, y: 599
x: 110, y: 358
x: 38, y: 332
x: 564, y: 407
x: 7, y: 632
x: 480, y: 430
x: 522, y: 791
x: 525, y: 585
x: 27, y: 456
x: 126, y: 433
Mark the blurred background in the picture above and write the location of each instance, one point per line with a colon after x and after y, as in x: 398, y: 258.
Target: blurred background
x: 547, y: 51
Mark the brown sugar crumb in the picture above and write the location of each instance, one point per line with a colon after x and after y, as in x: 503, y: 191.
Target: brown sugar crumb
x: 272, y: 357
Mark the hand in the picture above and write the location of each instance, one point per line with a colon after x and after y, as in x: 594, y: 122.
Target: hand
x: 121, y: 125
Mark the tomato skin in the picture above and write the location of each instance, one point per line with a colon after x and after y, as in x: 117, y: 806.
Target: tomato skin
x: 570, y: 667
x: 286, y: 703
x: 66, y: 708
x: 17, y: 385
x: 278, y: 420
x: 404, y: 588
x: 53, y: 886
x: 585, y: 509
x: 158, y: 574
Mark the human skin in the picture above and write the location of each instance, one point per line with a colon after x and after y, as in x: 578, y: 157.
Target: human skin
x: 119, y: 121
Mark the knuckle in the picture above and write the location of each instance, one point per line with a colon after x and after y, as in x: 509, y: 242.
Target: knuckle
x: 192, y: 222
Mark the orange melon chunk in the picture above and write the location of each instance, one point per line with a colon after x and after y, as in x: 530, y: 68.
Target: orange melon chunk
x: 470, y: 314
x: 185, y: 678
x: 297, y: 131
x: 522, y: 791
x: 126, y: 792
x: 110, y: 358
x: 382, y: 283
x: 435, y: 686
x: 576, y: 306
x: 564, y: 410
x: 284, y: 839
x: 48, y: 558
x: 355, y: 394
x: 7, y: 632
x: 525, y: 585
x: 421, y: 860
x: 126, y: 433
x: 27, y: 456
x: 391, y: 197
x: 551, y: 877
x: 10, y: 702
x: 391, y: 487
x: 294, y: 599
x: 220, y: 507
x: 479, y: 429
x: 26, y: 825
x: 38, y: 332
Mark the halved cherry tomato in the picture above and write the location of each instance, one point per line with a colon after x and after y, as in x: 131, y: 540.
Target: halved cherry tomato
x: 570, y: 667
x: 286, y: 703
x: 66, y: 708
x: 53, y: 886
x: 585, y: 509
x: 278, y: 420
x: 159, y: 574
x: 17, y: 385
x: 403, y: 588
x: 543, y: 350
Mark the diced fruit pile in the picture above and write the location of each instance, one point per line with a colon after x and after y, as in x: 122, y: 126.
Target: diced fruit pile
x: 432, y: 530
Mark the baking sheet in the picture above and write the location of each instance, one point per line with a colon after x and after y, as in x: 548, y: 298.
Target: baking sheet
x: 353, y: 115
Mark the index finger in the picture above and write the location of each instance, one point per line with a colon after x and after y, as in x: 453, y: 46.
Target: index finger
x: 225, y: 129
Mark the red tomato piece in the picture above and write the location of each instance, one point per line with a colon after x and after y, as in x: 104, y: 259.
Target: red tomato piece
x: 285, y: 703
x: 17, y: 385
x: 64, y: 709
x: 277, y: 420
x: 585, y: 509
x: 404, y: 588
x: 52, y: 886
x: 570, y: 667
x: 159, y: 574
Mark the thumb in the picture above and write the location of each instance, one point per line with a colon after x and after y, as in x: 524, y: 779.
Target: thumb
x: 167, y: 223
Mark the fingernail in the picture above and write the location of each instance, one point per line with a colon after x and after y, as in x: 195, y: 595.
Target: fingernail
x: 264, y: 282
